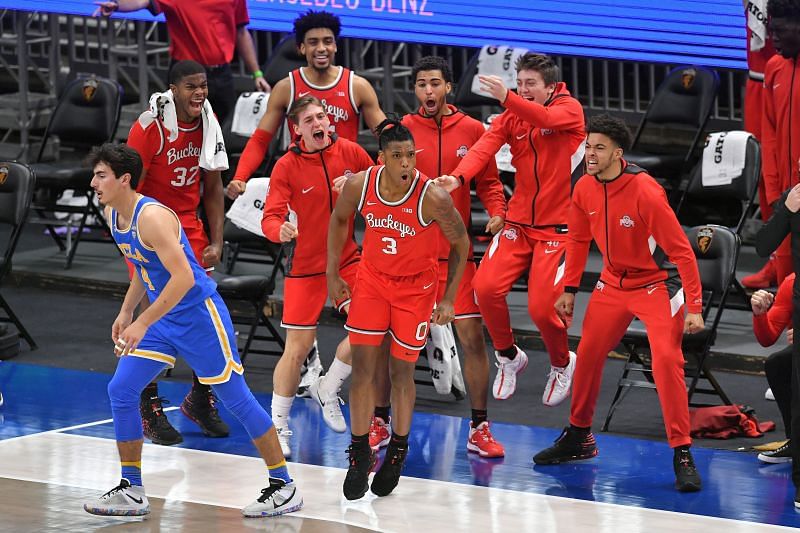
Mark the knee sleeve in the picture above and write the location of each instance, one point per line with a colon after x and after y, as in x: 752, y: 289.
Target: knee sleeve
x: 124, y: 390
x: 235, y: 395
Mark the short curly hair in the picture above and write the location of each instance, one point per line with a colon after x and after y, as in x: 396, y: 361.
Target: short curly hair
x: 311, y: 20
x: 432, y: 63
x: 784, y: 9
x: 612, y: 127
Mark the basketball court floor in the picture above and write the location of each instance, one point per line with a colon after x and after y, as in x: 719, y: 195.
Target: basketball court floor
x: 57, y: 450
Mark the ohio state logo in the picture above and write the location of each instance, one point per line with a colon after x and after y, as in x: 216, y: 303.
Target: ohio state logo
x: 462, y: 151
x: 626, y: 221
x: 599, y: 285
x: 510, y: 234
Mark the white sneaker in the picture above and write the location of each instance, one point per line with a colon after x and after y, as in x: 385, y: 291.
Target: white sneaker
x: 122, y: 500
x: 559, y: 382
x: 331, y: 407
x: 277, y: 499
x: 309, y: 372
x: 284, y: 434
x: 505, y: 382
x: 767, y: 395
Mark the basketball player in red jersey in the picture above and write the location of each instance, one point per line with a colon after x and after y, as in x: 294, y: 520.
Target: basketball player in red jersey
x: 172, y: 175
x: 302, y: 182
x: 344, y: 95
x: 759, y: 51
x: 395, y: 291
x: 544, y: 126
x: 447, y: 134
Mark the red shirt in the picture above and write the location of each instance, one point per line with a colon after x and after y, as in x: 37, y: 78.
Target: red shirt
x: 441, y: 147
x: 546, y: 145
x: 337, y: 98
x: 633, y: 225
x: 769, y: 326
x: 202, y: 30
x: 397, y: 241
x: 171, y: 169
x: 304, y: 181
x: 780, y: 127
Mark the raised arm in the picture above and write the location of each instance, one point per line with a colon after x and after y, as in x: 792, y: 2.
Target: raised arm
x: 338, y: 230
x: 438, y: 206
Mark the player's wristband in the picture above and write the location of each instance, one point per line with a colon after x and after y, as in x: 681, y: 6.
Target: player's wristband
x: 461, y: 180
x: 257, y: 74
x: 571, y: 290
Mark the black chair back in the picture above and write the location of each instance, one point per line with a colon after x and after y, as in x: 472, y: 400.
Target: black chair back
x: 727, y: 204
x: 716, y: 249
x: 682, y: 106
x: 87, y: 113
x: 284, y: 59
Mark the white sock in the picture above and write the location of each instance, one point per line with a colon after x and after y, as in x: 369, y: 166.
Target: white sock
x: 337, y: 373
x: 281, y: 405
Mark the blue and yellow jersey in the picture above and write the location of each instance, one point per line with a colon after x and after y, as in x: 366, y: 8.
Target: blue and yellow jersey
x: 152, y: 272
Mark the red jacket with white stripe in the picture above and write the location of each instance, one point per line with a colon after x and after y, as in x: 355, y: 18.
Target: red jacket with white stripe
x: 546, y: 145
x: 632, y: 223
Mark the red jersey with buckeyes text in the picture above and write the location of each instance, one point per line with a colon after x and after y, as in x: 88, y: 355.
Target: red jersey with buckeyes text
x: 397, y: 241
x: 635, y: 229
x: 338, y: 99
x: 171, y: 169
x: 441, y: 147
x: 304, y: 181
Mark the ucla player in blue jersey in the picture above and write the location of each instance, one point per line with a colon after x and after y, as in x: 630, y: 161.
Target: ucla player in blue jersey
x: 186, y: 318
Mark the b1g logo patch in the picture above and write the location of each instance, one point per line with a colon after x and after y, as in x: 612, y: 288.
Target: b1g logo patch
x: 510, y: 234
x: 3, y: 174
x: 687, y: 77
x: 89, y: 89
x: 704, y: 238
x: 462, y: 151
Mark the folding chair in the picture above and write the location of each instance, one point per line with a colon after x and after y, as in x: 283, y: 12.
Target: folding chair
x: 86, y: 115
x: 666, y: 140
x: 717, y: 250
x: 247, y: 247
x: 16, y: 190
x: 255, y: 291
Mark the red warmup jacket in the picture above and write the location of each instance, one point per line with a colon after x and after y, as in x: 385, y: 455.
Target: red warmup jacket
x: 304, y: 181
x: 769, y: 326
x: 633, y: 225
x: 780, y: 128
x: 441, y: 148
x: 546, y: 144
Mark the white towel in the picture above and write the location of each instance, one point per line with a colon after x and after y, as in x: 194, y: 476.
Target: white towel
x: 248, y: 209
x: 250, y: 107
x: 497, y: 61
x: 757, y: 23
x: 503, y: 156
x: 212, y: 152
x: 724, y: 157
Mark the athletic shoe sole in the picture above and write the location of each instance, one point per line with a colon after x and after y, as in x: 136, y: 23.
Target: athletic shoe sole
x: 475, y: 449
x: 275, y: 513
x: 163, y: 442
x: 570, y: 459
x: 518, y: 372
x: 773, y: 460
x: 108, y: 512
x: 205, y: 431
x: 687, y: 487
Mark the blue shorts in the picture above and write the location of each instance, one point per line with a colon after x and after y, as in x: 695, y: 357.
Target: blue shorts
x: 202, y: 335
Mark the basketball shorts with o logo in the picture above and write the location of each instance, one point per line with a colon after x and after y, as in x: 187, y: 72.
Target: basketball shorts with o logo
x: 305, y: 296
x: 466, y: 304
x: 400, y: 306
x: 202, y: 334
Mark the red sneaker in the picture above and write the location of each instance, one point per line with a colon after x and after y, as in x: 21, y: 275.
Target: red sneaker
x: 763, y: 279
x: 482, y: 442
x: 379, y: 433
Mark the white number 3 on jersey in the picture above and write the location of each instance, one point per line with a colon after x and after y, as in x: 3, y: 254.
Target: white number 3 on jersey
x: 185, y: 177
x: 391, y: 246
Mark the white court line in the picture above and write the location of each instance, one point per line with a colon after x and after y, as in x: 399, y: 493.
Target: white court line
x: 212, y: 478
x: 70, y: 428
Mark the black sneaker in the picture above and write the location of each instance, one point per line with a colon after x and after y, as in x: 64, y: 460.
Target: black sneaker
x: 388, y: 476
x: 199, y: 407
x: 569, y: 446
x: 686, y: 477
x: 356, y: 482
x: 155, y: 424
x: 797, y: 498
x: 780, y: 455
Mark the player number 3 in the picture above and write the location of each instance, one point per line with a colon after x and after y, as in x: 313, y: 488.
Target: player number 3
x: 391, y: 246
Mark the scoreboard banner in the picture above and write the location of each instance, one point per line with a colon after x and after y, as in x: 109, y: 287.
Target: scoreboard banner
x: 703, y: 32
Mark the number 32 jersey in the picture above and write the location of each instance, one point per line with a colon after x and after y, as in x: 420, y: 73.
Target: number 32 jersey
x: 172, y: 169
x: 397, y: 241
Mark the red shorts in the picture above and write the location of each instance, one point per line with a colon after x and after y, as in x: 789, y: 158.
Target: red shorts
x: 198, y: 240
x: 466, y: 304
x: 305, y: 296
x: 400, y: 306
